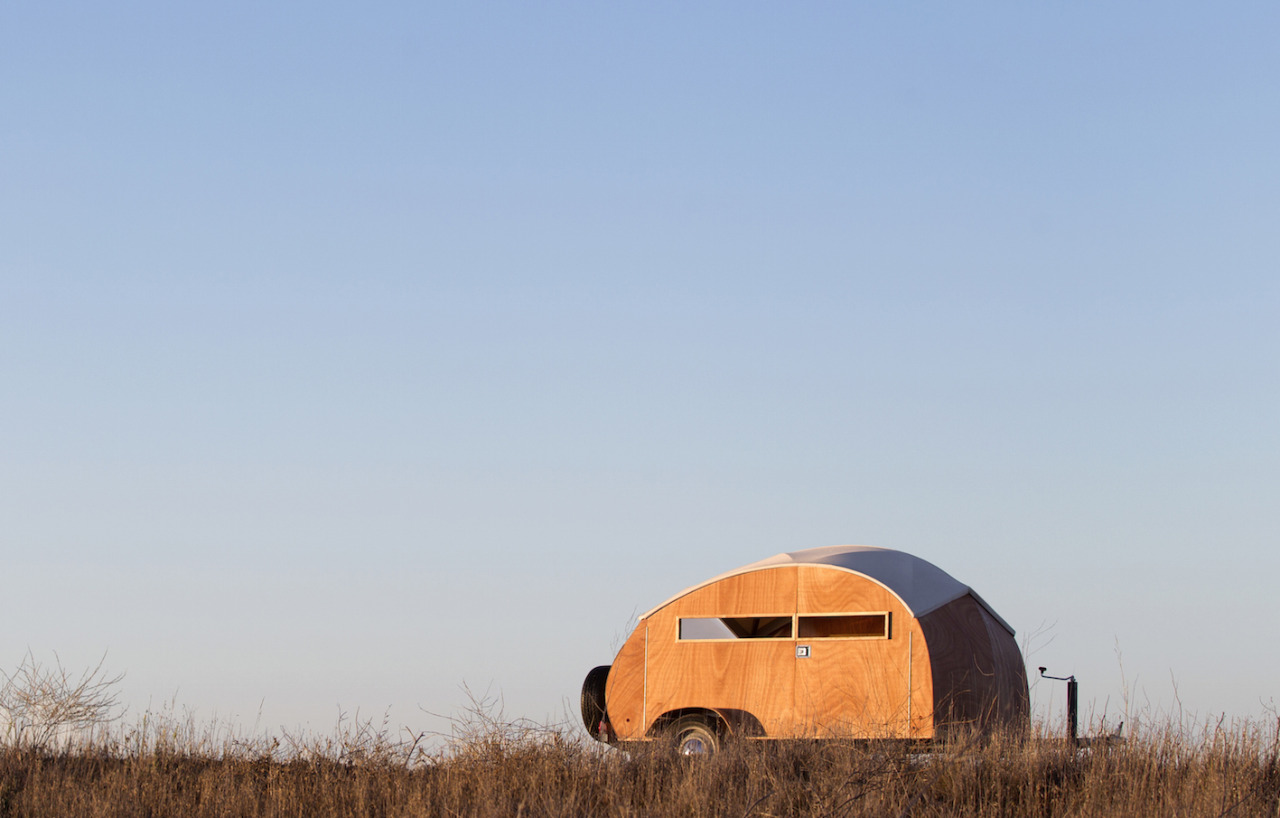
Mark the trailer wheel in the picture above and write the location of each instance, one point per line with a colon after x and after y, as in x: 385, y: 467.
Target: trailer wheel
x: 593, y: 707
x: 695, y: 736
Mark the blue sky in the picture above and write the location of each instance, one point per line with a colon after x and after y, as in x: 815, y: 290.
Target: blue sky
x: 353, y: 353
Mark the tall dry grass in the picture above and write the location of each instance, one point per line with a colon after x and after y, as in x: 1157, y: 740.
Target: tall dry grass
x: 166, y: 766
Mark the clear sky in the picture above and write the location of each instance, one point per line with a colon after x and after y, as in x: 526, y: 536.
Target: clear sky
x: 355, y: 352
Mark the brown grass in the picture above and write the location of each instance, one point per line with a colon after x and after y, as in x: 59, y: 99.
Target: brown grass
x: 487, y: 768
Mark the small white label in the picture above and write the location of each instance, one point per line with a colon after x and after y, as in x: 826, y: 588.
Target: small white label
x: 802, y: 651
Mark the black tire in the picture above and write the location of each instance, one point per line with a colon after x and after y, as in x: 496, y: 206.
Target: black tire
x: 593, y: 707
x: 696, y: 735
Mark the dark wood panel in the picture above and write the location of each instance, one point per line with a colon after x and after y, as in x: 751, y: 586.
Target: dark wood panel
x: 978, y: 677
x: 1013, y: 707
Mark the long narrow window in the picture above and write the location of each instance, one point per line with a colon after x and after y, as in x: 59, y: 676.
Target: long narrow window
x: 845, y: 626
x: 735, y: 627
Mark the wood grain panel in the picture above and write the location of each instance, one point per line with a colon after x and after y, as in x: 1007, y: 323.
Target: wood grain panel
x: 767, y: 591
x: 624, y: 690
x: 853, y: 687
x: 753, y: 675
x: 822, y: 589
x: 922, y: 716
x: 956, y: 666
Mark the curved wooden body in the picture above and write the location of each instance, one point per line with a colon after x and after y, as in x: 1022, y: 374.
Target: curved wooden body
x: 979, y: 678
x: 957, y: 664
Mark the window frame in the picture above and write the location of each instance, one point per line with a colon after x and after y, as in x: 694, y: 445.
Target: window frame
x: 885, y: 636
x: 739, y: 639
x: 795, y: 627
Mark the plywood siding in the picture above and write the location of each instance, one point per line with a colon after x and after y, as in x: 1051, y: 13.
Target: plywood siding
x: 755, y: 676
x: 624, y: 690
x: 846, y: 687
x: 766, y: 591
x: 955, y: 666
x: 859, y: 687
x: 922, y: 698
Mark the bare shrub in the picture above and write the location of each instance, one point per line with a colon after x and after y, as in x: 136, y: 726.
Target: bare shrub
x: 43, y: 704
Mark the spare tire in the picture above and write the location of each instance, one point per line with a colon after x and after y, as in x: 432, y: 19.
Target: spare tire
x: 593, y: 708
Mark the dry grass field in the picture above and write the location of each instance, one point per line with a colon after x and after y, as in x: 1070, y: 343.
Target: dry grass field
x: 489, y: 768
x: 64, y: 751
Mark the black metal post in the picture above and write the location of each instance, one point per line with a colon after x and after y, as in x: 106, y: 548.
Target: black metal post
x: 1073, y: 708
x: 1073, y: 703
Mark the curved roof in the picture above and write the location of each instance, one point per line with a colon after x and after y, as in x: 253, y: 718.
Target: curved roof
x: 921, y: 585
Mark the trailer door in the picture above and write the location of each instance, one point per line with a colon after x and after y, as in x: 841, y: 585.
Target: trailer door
x: 852, y: 665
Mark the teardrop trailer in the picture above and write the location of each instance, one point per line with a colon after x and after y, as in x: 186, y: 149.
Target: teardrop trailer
x: 838, y: 642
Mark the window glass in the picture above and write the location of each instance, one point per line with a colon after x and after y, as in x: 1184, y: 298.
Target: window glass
x: 845, y: 626
x: 736, y: 627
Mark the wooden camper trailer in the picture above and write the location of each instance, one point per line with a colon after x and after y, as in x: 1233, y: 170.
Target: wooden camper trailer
x: 845, y: 641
